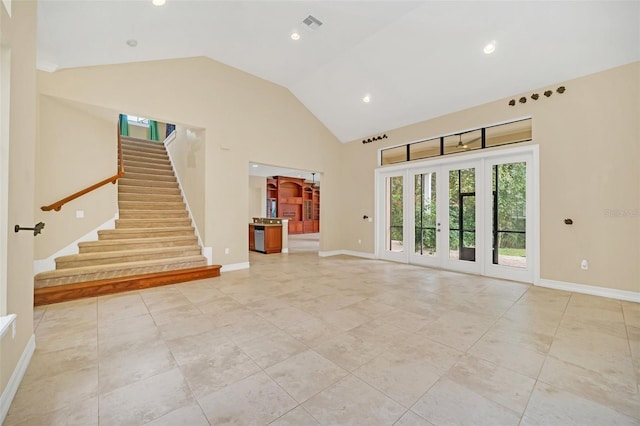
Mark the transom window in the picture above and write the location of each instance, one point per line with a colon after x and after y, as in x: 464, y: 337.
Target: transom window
x: 485, y: 137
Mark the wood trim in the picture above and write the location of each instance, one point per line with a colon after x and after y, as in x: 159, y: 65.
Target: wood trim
x: 113, y: 179
x: 63, y: 293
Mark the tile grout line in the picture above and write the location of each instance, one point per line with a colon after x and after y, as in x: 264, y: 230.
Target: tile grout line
x: 537, y: 380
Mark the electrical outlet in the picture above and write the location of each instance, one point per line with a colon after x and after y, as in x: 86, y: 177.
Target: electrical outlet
x: 584, y: 265
x: 226, y: 250
x: 359, y: 241
x: 79, y: 214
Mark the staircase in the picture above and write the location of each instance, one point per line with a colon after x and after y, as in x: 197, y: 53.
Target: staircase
x: 153, y: 243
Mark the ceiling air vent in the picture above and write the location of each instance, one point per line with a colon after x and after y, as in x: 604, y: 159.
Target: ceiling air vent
x: 312, y: 22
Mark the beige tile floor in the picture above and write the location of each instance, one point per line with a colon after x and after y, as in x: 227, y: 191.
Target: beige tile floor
x: 303, y: 340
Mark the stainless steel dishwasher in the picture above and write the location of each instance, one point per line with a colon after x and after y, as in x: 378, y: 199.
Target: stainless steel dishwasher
x: 259, y: 238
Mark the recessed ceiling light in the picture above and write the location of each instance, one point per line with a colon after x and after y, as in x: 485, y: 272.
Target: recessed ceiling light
x: 366, y: 99
x: 132, y: 42
x: 490, y: 48
x: 158, y: 2
x: 295, y: 36
x: 254, y: 165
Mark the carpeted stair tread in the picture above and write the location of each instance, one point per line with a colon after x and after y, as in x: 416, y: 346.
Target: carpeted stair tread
x: 125, y: 256
x: 144, y: 150
x: 149, y: 171
x: 134, y: 151
x: 133, y: 139
x: 129, y: 163
x: 115, y: 234
x: 147, y: 176
x: 147, y: 183
x: 136, y: 243
x: 152, y: 223
x: 98, y: 272
x: 127, y: 157
x: 150, y: 205
x: 128, y: 142
x: 142, y: 214
x: 150, y: 197
x: 133, y: 189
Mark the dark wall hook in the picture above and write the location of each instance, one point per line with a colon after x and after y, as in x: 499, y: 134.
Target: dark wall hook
x: 37, y: 228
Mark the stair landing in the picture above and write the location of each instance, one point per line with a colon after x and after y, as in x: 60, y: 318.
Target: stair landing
x: 63, y: 293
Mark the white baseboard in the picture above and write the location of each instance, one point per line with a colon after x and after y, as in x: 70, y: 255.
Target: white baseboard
x: 285, y: 250
x: 234, y: 267
x: 347, y: 253
x: 18, y: 373
x: 49, y: 264
x: 631, y: 296
x: 208, y: 253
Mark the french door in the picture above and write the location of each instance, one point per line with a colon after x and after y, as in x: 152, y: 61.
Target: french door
x: 474, y: 215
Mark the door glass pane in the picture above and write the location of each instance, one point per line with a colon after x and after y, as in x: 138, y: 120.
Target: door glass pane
x: 462, y: 214
x: 425, y: 214
x: 395, y: 215
x: 509, y: 214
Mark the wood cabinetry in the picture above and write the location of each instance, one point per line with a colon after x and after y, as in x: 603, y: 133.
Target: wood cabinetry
x: 269, y: 242
x: 296, y: 200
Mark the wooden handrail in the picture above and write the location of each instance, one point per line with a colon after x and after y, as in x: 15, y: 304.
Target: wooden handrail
x: 113, y: 179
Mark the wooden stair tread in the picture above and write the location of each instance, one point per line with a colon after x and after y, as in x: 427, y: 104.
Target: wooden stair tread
x: 62, y: 293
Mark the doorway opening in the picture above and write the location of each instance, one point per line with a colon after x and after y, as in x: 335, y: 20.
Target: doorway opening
x: 292, y: 196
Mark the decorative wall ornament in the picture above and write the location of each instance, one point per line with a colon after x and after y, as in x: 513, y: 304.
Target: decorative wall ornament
x: 536, y: 96
x: 375, y: 138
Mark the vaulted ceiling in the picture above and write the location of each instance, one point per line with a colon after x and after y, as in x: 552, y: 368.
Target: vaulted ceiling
x: 414, y: 59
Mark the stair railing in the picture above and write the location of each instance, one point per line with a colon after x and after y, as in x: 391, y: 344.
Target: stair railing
x: 113, y: 179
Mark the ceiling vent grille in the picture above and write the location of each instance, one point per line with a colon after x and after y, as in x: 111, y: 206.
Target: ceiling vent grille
x: 312, y: 22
